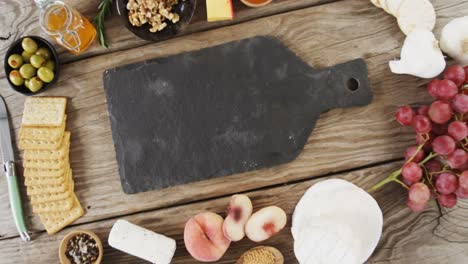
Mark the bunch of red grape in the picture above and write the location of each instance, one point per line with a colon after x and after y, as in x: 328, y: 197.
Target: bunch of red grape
x: 438, y: 165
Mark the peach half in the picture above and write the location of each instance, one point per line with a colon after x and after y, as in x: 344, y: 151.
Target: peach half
x: 204, y: 237
x: 238, y: 212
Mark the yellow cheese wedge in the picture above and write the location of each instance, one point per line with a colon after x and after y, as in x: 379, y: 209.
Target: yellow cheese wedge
x: 217, y: 10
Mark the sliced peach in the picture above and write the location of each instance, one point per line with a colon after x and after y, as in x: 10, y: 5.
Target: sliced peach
x: 204, y: 238
x: 265, y: 223
x: 239, y: 211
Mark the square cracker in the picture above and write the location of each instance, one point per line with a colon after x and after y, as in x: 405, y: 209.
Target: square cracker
x: 56, y: 221
x: 39, y: 181
x: 50, y: 197
x: 45, y: 173
x: 46, y: 163
x: 46, y: 189
x: 43, y: 133
x: 60, y: 153
x: 55, y: 206
x: 25, y: 144
x: 44, y: 111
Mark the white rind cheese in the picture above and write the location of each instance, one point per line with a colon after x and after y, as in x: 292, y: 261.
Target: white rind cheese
x: 349, y: 214
x: 141, y: 242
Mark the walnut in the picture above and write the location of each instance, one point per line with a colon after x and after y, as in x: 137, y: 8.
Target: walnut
x: 157, y: 13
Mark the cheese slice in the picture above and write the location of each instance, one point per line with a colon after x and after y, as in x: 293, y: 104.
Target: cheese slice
x: 141, y: 242
x: 217, y: 10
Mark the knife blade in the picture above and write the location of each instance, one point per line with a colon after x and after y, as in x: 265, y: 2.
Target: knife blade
x: 10, y: 173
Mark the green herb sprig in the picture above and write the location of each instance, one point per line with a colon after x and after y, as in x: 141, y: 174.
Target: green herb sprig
x: 104, y: 10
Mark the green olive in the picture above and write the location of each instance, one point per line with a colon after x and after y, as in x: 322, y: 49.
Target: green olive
x: 15, y: 61
x: 35, y: 84
x: 26, y: 83
x: 26, y: 56
x: 44, y: 53
x: 45, y: 74
x: 29, y: 45
x: 37, y: 61
x: 50, y: 64
x: 16, y: 78
x: 27, y: 71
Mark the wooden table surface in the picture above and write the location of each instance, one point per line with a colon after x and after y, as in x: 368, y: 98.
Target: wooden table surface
x: 362, y: 145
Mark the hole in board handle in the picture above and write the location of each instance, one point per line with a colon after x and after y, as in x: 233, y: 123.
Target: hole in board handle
x: 353, y: 84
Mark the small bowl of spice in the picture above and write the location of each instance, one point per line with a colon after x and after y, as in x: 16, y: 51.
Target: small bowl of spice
x: 81, y: 247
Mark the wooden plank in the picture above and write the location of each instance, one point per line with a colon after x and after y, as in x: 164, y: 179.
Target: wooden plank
x: 20, y: 18
x: 427, y: 237
x: 343, y: 139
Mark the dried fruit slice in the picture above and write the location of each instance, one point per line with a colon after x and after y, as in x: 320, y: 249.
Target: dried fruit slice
x: 414, y: 14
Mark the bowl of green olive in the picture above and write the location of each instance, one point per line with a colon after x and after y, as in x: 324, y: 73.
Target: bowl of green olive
x: 31, y: 65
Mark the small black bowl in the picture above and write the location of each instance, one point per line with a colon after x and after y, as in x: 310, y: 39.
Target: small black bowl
x: 16, y: 48
x: 185, y: 10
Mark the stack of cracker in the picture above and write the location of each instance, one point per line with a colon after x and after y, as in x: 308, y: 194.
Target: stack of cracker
x: 47, y: 174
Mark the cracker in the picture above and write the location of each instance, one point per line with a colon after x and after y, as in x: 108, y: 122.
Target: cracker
x: 46, y: 164
x: 43, y: 133
x: 56, y: 221
x: 45, y: 173
x: 59, y: 153
x: 35, y: 181
x: 46, y: 189
x: 55, y: 206
x: 25, y: 144
x: 44, y: 111
x: 50, y: 197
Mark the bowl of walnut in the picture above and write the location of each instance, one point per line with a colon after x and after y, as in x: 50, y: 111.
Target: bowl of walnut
x: 156, y: 20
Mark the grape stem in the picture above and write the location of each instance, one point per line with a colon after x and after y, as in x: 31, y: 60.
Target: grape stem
x: 394, y: 176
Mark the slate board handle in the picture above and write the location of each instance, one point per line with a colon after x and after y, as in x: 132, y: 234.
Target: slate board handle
x: 347, y: 85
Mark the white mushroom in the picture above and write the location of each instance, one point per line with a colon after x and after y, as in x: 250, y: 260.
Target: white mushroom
x: 420, y: 56
x: 454, y: 39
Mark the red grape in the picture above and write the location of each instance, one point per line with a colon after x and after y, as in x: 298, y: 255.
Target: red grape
x: 405, y: 115
x: 447, y: 200
x: 456, y: 74
x: 411, y: 172
x: 443, y: 145
x: 432, y: 88
x: 415, y: 207
x: 439, y: 129
x: 433, y: 166
x: 446, y: 183
x: 422, y: 124
x: 420, y: 139
x: 423, y: 110
x: 440, y: 112
x: 463, y: 180
x: 457, y: 159
x: 458, y: 130
x: 460, y: 103
x: 462, y: 193
x: 466, y: 74
x: 408, y: 183
x: 410, y: 153
x: 446, y: 90
x: 419, y: 193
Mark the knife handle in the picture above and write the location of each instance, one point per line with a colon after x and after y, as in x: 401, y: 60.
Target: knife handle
x: 15, y: 200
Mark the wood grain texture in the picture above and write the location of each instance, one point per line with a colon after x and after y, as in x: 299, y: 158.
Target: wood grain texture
x: 407, y: 237
x: 343, y: 139
x: 21, y: 17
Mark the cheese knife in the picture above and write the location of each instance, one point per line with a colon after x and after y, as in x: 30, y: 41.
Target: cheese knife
x: 10, y: 174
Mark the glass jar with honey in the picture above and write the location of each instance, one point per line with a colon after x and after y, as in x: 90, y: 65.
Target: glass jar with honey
x: 66, y: 25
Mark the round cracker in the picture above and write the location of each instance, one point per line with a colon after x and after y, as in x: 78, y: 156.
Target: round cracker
x: 343, y: 202
x: 414, y: 14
